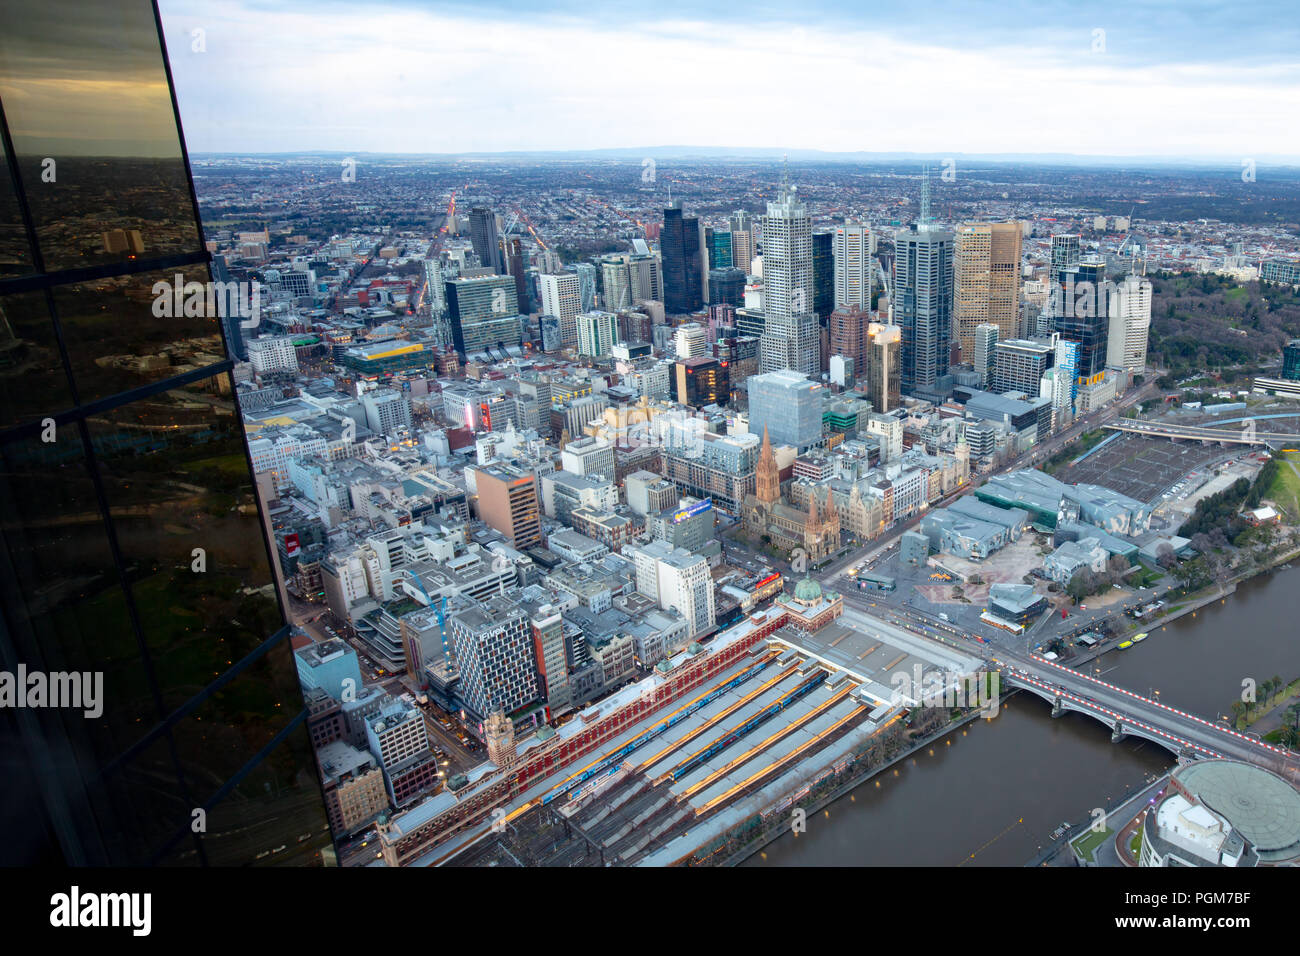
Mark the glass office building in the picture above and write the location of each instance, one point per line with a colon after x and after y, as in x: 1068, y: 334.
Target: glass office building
x: 134, y: 568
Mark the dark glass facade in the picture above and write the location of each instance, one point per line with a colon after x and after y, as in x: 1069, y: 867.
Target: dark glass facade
x: 679, y: 244
x: 1086, y: 301
x: 823, y: 275
x: 133, y: 556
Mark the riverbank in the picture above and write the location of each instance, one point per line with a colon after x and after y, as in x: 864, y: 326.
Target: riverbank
x: 848, y: 786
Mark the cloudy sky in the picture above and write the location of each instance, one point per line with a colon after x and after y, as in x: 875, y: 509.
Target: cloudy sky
x: 1177, y: 79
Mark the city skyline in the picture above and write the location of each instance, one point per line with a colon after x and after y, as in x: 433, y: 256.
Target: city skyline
x: 1203, y: 81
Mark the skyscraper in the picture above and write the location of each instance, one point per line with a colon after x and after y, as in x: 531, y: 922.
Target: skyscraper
x: 132, y: 548
x: 562, y: 295
x: 853, y: 245
x: 791, y: 342
x: 986, y: 337
x: 823, y: 300
x: 718, y: 245
x: 1065, y: 254
x: 1085, y: 314
x: 683, y: 266
x: 483, y: 235
x: 884, y: 366
x: 1130, y: 325
x: 483, y: 312
x: 742, y: 240
x: 987, y: 281
x: 516, y: 263
x: 922, y: 304
x: 787, y: 257
x: 597, y: 333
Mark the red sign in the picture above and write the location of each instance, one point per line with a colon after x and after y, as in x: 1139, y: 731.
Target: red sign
x: 291, y: 545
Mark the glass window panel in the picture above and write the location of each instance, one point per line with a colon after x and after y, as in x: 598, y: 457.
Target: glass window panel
x: 141, y: 806
x: 91, y: 118
x: 119, y: 337
x: 33, y: 383
x: 64, y: 604
x: 277, y: 805
x: 177, y: 481
x: 237, y: 721
x: 15, y: 254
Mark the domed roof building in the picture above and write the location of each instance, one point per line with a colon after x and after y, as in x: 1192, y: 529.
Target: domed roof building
x: 811, y: 608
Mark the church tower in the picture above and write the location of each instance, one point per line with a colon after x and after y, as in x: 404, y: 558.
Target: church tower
x: 767, y: 477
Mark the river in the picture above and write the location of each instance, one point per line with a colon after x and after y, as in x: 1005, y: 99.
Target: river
x: 991, y: 793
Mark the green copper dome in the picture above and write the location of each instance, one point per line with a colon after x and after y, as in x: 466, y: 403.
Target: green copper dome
x: 808, y: 591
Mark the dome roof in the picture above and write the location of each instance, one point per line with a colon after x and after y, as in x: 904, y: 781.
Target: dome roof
x: 808, y: 591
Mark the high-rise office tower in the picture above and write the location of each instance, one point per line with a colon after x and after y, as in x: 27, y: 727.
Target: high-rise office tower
x: 718, y: 245
x: 823, y: 300
x: 1130, y: 325
x: 848, y: 335
x: 1085, y: 314
x: 495, y: 656
x: 854, y: 266
x: 921, y: 300
x: 683, y: 270
x: 791, y: 342
x: 1065, y: 254
x: 125, y: 565
x: 987, y: 281
x: 562, y: 295
x: 483, y: 234
x: 742, y: 240
x: 1291, y: 360
x: 884, y: 367
x: 727, y: 286
x: 986, y: 337
x: 787, y: 257
x: 483, y: 313
x: 1019, y: 365
x: 629, y: 279
x: 586, y: 273
x: 507, y: 501
x: 516, y: 264
x: 702, y: 381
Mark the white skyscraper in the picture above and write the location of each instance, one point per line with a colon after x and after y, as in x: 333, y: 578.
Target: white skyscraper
x: 852, y: 248
x: 1130, y: 325
x: 986, y: 337
x: 791, y: 337
x: 691, y: 339
x: 787, y: 257
x: 561, y: 295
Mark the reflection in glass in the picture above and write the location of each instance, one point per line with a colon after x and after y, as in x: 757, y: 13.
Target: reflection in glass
x: 15, y: 254
x: 127, y: 331
x: 64, y: 604
x: 178, y: 488
x: 91, y: 117
x: 33, y: 384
